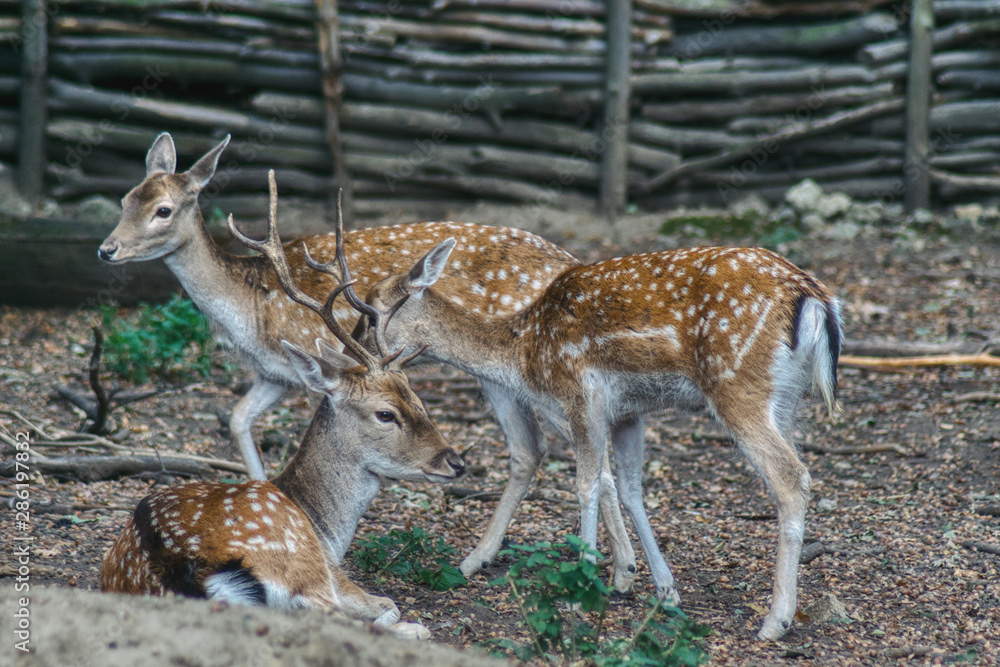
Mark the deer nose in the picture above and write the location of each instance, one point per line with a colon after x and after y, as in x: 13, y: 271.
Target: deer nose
x: 455, y: 462
x: 107, y: 251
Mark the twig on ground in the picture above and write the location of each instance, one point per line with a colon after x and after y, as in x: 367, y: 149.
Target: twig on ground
x: 982, y: 546
x: 977, y: 397
x: 867, y: 449
x: 982, y: 359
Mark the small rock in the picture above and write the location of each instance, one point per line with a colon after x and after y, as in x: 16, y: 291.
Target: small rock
x: 825, y: 609
x: 826, y: 504
x: 804, y: 196
x: 753, y: 203
x: 865, y: 214
x: 813, y: 222
x: 100, y: 210
x: 833, y: 205
x: 922, y: 217
x: 969, y: 212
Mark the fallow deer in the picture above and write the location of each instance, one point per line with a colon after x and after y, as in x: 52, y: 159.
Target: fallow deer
x: 493, y: 271
x: 279, y: 543
x: 740, y: 330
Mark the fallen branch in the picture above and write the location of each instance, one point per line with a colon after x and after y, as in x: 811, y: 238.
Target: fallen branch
x: 982, y: 546
x: 983, y: 359
x: 909, y: 651
x: 95, y: 468
x: 846, y: 451
x: 811, y: 552
x: 890, y: 348
x: 977, y: 397
x: 53, y: 507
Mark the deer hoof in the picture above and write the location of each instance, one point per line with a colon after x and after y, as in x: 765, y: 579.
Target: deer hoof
x: 773, y: 628
x: 671, y: 597
x: 472, y: 564
x: 624, y: 578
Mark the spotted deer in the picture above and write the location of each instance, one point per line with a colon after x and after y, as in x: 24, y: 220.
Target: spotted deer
x: 739, y: 330
x: 492, y: 272
x: 279, y: 543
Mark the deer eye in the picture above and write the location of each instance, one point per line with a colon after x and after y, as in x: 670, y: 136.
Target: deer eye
x: 163, y: 212
x: 385, y: 416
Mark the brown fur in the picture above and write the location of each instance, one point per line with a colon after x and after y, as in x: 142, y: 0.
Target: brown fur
x: 206, y: 525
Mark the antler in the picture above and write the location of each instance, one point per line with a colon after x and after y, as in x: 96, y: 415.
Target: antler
x: 272, y: 249
x: 378, y: 319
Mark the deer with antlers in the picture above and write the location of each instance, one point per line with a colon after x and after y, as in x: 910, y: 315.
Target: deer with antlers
x: 739, y: 330
x: 492, y: 272
x: 279, y: 543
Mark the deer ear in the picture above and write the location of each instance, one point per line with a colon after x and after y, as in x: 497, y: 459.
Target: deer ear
x: 311, y: 370
x: 429, y: 268
x: 332, y: 355
x: 202, y: 171
x: 162, y: 156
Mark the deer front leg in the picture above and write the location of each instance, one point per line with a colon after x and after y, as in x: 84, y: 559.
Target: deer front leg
x: 627, y: 442
x: 589, y: 425
x: 621, y: 545
x: 527, y: 447
x: 611, y: 511
x: 262, y: 395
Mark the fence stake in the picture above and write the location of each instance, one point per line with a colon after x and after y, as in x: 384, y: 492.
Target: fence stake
x: 614, y: 134
x: 32, y: 155
x: 331, y: 64
x: 918, y: 101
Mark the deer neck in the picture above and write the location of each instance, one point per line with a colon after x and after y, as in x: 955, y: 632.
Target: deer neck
x: 329, y: 482
x: 485, y: 347
x: 210, y: 275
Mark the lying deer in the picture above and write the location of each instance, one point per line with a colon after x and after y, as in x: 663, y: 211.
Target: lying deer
x: 279, y: 543
x: 493, y: 272
x: 740, y: 330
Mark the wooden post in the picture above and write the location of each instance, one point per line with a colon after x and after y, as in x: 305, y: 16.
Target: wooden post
x: 614, y: 169
x: 331, y: 67
x: 918, y: 101
x: 32, y: 156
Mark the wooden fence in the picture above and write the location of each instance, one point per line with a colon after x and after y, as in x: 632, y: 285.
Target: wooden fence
x: 430, y: 104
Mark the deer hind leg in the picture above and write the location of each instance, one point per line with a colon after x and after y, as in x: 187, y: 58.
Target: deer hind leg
x: 627, y: 440
x: 356, y: 603
x: 262, y: 395
x: 527, y: 447
x: 787, y: 478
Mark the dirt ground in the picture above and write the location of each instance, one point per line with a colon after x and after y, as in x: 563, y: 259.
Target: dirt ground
x: 892, y: 520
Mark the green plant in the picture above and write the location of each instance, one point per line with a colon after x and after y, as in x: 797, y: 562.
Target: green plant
x: 558, y: 590
x: 158, y: 340
x: 413, y: 555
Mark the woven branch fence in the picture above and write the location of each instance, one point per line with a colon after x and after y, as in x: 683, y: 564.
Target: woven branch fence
x: 432, y: 104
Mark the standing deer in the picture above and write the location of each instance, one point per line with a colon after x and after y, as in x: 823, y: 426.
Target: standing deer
x: 493, y: 272
x: 279, y: 543
x: 740, y: 330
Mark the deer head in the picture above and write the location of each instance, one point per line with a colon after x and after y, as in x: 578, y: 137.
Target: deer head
x: 369, y: 416
x: 161, y: 214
